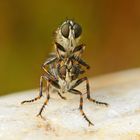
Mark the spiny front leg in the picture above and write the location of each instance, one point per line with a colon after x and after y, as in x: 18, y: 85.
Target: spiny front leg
x: 40, y: 93
x: 82, y: 62
x: 80, y: 49
x: 50, y: 60
x: 59, y: 48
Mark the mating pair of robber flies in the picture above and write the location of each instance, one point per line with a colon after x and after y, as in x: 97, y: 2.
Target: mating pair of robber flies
x: 63, y: 68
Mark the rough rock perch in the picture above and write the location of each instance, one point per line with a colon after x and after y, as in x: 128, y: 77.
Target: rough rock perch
x: 121, y: 120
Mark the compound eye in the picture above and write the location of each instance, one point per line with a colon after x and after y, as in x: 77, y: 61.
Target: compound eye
x: 65, y: 30
x: 77, y: 29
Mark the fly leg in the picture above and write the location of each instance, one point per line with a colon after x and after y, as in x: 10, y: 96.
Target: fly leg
x: 74, y: 91
x: 47, y: 76
x: 45, y: 103
x: 88, y: 91
x: 50, y: 60
x: 80, y: 49
x: 58, y: 48
x: 82, y: 62
x: 47, y: 62
x: 40, y: 93
x: 61, y: 95
x: 53, y: 83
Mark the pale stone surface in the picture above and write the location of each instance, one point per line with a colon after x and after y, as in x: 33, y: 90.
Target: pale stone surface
x: 121, y: 120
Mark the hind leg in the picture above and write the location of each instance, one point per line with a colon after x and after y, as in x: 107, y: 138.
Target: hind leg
x: 88, y: 91
x: 74, y: 91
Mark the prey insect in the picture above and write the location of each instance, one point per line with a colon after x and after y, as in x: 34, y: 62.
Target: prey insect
x: 63, y: 68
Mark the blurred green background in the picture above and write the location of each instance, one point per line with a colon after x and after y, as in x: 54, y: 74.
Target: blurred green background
x: 111, y: 31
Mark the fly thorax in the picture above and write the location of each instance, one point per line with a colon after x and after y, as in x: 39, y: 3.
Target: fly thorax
x: 63, y: 85
x: 68, y: 80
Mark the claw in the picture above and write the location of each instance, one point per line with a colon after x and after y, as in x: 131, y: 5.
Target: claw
x: 90, y: 123
x: 102, y: 103
x: 39, y: 115
x: 106, y: 104
x: 23, y: 102
x: 64, y: 98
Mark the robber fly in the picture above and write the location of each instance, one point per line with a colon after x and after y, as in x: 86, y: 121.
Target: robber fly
x: 63, y: 68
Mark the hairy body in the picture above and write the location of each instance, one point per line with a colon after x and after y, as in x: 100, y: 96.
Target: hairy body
x: 62, y: 69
